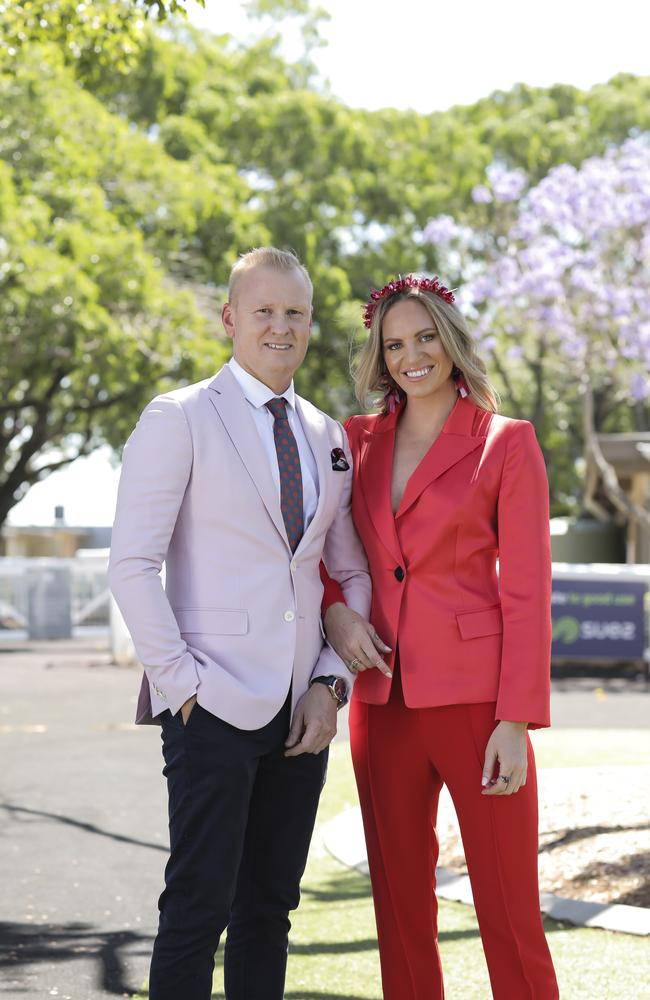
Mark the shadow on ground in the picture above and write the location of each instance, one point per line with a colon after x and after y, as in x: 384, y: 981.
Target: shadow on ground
x: 347, y: 885
x: 23, y: 945
x: 23, y: 812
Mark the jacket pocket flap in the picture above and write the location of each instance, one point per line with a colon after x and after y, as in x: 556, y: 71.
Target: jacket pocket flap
x: 216, y: 621
x: 473, y: 624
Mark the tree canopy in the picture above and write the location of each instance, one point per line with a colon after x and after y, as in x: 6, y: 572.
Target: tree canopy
x: 557, y: 278
x: 138, y: 158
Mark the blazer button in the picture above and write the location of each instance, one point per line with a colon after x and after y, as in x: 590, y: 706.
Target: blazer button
x: 289, y: 616
x: 399, y: 573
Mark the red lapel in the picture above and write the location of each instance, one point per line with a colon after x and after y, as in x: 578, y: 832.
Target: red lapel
x: 456, y: 440
x: 376, y: 466
x: 463, y: 432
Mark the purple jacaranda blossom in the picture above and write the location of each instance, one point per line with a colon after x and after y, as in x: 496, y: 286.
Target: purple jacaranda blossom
x: 643, y: 345
x: 481, y: 289
x: 585, y: 279
x: 441, y: 231
x: 626, y: 347
x: 568, y: 265
x: 537, y: 284
x: 481, y: 195
x: 507, y: 185
x: 488, y: 344
x: 508, y: 274
x: 640, y: 386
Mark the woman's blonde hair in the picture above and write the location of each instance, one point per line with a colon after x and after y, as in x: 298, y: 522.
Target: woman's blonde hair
x: 369, y: 368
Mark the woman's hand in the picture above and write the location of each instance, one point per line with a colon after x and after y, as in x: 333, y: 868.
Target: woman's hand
x: 354, y: 639
x: 509, y: 747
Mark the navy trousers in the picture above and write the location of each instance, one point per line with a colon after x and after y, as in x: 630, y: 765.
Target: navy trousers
x: 241, y: 815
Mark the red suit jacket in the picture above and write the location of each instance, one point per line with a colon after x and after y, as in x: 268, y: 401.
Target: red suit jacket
x: 465, y: 633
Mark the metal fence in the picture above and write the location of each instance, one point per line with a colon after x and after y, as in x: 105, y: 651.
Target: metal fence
x: 89, y: 594
x: 602, y: 619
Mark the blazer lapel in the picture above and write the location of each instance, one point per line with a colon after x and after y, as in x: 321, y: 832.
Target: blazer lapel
x: 455, y: 441
x: 233, y: 409
x: 315, y: 428
x: 375, y: 463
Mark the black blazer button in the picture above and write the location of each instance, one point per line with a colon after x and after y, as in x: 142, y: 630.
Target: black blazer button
x: 399, y: 573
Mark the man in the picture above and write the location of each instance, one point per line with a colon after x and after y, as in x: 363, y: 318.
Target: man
x: 241, y: 487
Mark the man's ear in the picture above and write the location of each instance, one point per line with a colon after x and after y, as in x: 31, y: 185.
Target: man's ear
x: 227, y: 320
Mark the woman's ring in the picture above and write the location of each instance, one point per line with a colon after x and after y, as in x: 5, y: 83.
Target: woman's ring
x: 505, y: 779
x: 354, y: 665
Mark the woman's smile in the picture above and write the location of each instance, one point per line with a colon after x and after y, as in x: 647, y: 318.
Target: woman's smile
x: 416, y: 374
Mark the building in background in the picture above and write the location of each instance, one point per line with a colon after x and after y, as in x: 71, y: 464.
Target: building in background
x: 629, y: 455
x: 58, y: 540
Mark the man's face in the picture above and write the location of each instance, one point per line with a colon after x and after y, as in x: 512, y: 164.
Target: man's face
x: 269, y: 322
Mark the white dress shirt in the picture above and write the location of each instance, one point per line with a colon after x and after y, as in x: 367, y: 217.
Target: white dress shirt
x: 258, y: 396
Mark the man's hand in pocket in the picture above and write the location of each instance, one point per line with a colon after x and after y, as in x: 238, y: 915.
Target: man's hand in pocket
x: 186, y: 710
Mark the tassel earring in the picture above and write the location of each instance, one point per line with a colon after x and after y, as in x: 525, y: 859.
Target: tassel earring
x: 393, y: 395
x: 461, y: 384
x: 392, y: 398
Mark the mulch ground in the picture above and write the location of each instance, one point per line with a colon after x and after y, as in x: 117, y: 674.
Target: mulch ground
x: 594, y: 834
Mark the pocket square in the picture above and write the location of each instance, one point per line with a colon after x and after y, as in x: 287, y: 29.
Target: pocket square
x: 339, y: 461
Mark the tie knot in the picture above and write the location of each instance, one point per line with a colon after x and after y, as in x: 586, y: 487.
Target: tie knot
x: 278, y: 407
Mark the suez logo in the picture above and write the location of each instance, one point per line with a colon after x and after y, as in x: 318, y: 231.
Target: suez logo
x: 602, y: 618
x: 568, y: 629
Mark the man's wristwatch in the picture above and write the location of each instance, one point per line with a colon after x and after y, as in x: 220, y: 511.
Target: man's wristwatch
x: 336, y: 687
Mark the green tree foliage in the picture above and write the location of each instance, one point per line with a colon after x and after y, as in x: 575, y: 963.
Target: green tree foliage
x: 93, y: 36
x: 92, y: 322
x: 140, y: 159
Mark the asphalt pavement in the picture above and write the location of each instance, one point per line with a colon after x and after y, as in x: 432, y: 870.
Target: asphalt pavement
x: 83, y: 824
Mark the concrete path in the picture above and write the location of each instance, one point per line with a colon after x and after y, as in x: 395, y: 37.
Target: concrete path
x: 82, y: 827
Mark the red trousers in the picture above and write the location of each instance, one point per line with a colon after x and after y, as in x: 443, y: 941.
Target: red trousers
x: 401, y: 758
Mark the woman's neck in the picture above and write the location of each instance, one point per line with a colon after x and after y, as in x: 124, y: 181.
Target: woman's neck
x: 425, y: 415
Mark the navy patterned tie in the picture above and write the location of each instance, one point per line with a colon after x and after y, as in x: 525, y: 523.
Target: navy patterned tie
x: 290, y: 474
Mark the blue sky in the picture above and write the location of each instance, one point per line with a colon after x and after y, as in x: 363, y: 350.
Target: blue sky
x: 428, y: 56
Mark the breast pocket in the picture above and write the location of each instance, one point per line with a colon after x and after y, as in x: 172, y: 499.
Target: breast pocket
x: 474, y: 624
x: 212, y: 621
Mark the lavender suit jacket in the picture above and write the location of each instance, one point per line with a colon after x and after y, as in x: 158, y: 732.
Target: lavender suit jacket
x: 238, y: 620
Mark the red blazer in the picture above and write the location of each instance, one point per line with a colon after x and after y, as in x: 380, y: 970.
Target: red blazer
x: 465, y: 634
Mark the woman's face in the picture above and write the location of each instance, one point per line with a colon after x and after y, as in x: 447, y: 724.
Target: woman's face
x: 413, y: 352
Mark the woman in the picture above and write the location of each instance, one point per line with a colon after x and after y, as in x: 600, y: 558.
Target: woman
x: 443, y: 486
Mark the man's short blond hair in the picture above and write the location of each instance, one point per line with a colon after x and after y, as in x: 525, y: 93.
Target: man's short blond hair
x: 280, y: 260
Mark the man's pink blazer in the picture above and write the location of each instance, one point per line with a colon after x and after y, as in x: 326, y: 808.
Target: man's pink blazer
x: 238, y: 620
x: 464, y: 634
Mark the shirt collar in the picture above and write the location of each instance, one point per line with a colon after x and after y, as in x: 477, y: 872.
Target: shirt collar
x: 255, y: 391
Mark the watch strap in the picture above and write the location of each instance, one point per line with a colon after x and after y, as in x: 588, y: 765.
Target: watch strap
x: 336, y: 687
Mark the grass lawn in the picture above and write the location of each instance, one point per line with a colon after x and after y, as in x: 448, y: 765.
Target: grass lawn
x: 591, y: 747
x: 333, y: 953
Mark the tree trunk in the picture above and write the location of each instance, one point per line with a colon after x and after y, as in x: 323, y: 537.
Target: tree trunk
x: 599, y: 468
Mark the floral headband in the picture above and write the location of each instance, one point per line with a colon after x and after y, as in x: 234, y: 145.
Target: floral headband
x: 400, y: 285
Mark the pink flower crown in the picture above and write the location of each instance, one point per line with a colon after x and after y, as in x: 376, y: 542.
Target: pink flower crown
x: 400, y: 285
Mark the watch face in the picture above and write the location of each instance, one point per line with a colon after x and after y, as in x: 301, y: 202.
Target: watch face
x: 340, y: 690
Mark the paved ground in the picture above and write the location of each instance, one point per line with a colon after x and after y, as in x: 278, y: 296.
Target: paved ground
x: 83, y: 827
x: 83, y: 815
